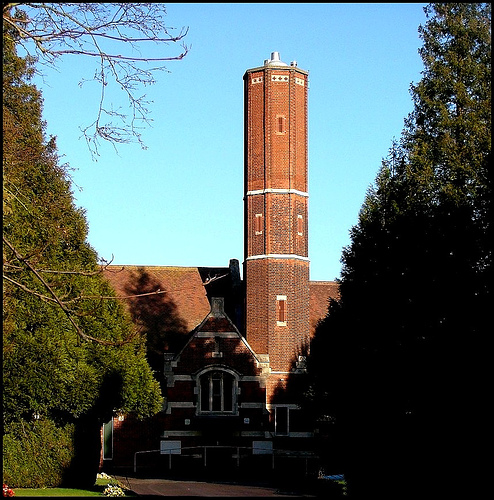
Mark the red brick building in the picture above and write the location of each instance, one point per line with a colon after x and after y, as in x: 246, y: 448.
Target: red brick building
x: 232, y: 347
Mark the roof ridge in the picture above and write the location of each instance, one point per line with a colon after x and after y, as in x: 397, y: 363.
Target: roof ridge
x: 133, y: 266
x: 323, y: 282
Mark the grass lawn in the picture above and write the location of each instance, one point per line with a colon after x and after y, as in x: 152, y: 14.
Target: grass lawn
x: 95, y: 491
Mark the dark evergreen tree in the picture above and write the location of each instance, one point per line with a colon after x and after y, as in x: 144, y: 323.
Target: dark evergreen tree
x: 399, y: 362
x: 70, y: 358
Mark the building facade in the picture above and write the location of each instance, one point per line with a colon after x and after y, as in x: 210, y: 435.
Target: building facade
x: 236, y: 348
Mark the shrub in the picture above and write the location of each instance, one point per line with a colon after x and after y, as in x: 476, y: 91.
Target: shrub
x: 113, y: 490
x: 36, y: 454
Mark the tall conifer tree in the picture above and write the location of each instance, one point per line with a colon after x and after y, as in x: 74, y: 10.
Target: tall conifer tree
x: 405, y: 344
x: 69, y: 357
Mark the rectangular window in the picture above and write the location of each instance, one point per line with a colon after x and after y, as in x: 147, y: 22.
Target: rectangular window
x: 281, y: 420
x: 258, y: 225
x: 108, y: 440
x: 205, y: 403
x: 281, y: 310
x: 280, y: 124
x: 281, y: 127
x: 228, y: 394
x: 300, y: 225
x: 216, y: 392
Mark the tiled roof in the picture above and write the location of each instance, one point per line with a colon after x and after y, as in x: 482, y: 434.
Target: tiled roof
x: 189, y: 297
x: 183, y: 285
x: 320, y: 293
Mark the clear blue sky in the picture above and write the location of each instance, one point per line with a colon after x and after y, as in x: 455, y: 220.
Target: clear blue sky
x: 180, y: 202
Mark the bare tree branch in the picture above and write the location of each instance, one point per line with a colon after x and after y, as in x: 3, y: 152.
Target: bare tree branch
x: 114, y: 33
x: 135, y: 295
x: 101, y: 297
x: 53, y: 297
x: 44, y: 298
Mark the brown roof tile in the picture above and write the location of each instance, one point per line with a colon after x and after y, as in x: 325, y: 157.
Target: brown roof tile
x: 183, y: 286
x: 320, y: 293
x: 185, y: 290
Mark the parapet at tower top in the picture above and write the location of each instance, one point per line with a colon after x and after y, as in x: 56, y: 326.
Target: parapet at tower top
x: 276, y: 61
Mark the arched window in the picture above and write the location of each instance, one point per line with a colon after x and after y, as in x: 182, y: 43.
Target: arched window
x: 217, y: 392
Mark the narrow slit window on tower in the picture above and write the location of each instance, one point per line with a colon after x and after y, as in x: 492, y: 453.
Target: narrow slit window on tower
x: 281, y: 310
x: 258, y: 224
x: 300, y: 225
x: 280, y: 124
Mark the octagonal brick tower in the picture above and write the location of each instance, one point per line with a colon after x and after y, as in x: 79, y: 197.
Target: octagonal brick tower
x: 276, y: 264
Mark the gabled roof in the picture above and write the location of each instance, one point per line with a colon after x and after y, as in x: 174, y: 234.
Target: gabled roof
x: 217, y: 322
x: 217, y: 342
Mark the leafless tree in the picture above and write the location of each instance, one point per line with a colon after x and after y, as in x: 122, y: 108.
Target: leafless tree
x: 117, y: 36
x: 121, y: 38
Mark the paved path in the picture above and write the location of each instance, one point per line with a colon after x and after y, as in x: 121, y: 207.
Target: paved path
x: 169, y: 488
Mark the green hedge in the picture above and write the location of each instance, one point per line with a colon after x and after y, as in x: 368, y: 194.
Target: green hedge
x: 36, y: 454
